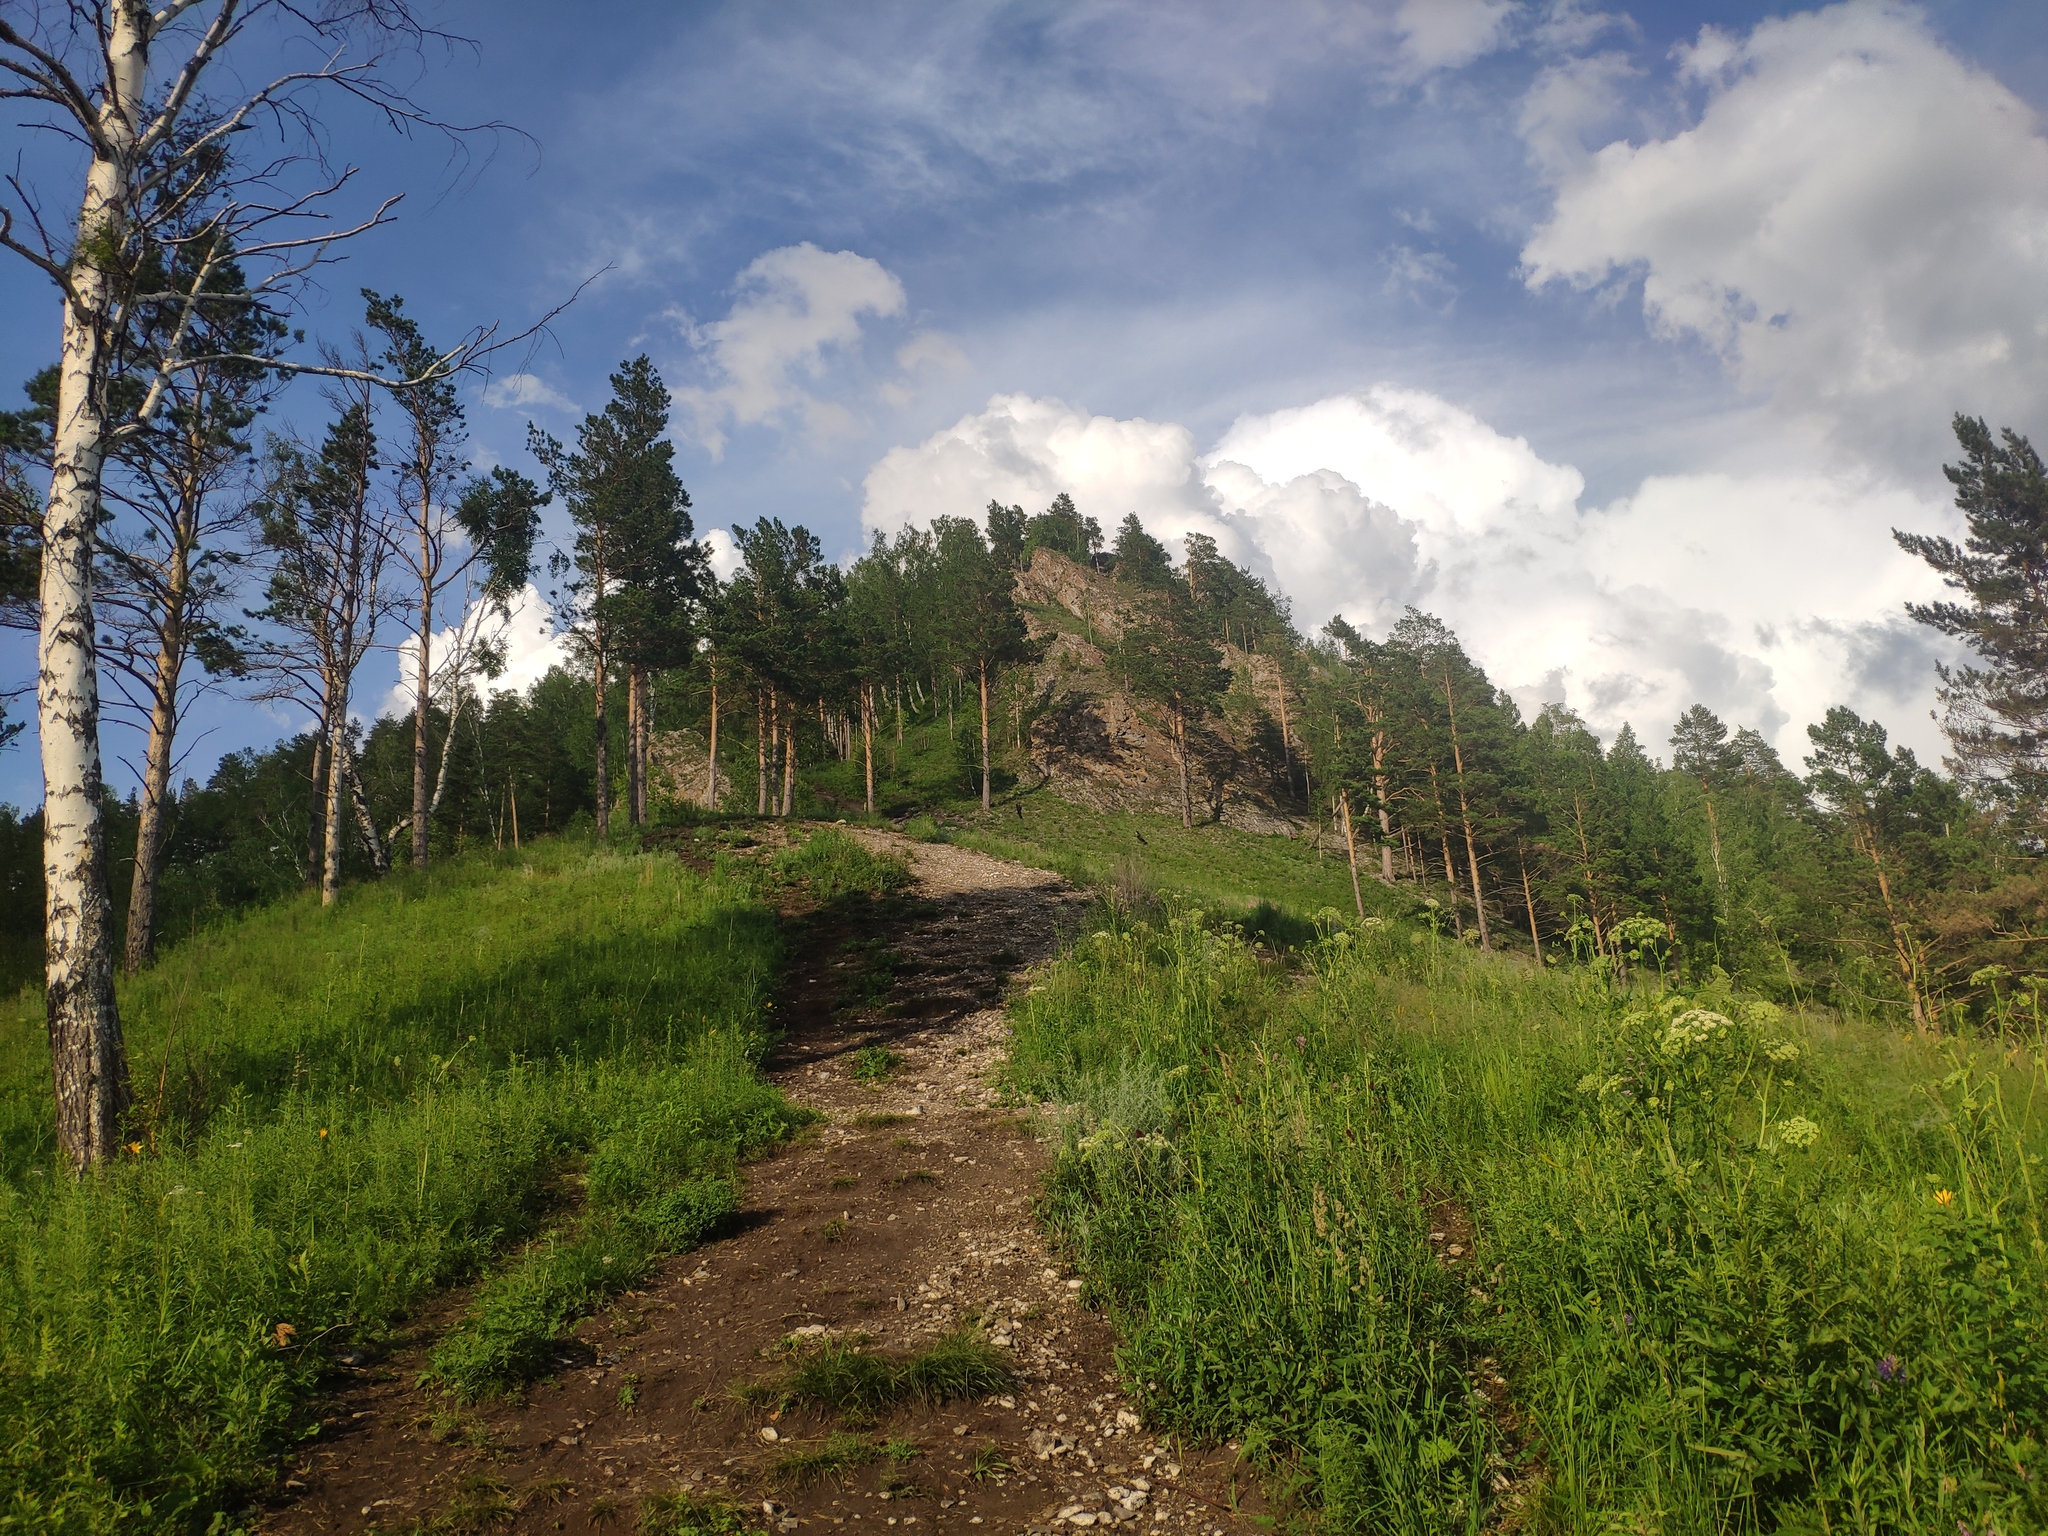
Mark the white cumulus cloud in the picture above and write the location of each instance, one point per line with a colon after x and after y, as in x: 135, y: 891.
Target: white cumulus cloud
x: 1449, y: 34
x: 522, y: 391
x: 1856, y: 220
x: 792, y: 309
x: 526, y: 636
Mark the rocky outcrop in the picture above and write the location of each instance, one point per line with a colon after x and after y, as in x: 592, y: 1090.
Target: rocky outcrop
x: 1093, y: 744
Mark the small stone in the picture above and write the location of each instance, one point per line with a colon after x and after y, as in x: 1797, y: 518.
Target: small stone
x: 1125, y: 1419
x: 1455, y: 1249
x: 1074, y: 1285
x: 768, y: 1433
x: 568, y: 1440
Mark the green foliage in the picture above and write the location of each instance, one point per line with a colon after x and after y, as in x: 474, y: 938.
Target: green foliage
x: 874, y: 1063
x: 341, y: 1112
x: 841, y: 1453
x: 685, y: 1513
x: 845, y: 1375
x: 1741, y: 1269
x: 833, y: 864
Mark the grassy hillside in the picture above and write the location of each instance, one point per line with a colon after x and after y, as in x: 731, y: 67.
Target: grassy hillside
x: 1448, y: 1243
x: 340, y: 1112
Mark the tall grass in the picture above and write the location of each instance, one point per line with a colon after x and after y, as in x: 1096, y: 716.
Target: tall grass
x: 1739, y: 1272
x: 338, y: 1113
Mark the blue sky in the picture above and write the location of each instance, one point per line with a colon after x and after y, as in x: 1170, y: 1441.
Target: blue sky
x: 1620, y: 338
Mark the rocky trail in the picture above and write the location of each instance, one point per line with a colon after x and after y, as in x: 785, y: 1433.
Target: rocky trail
x: 902, y: 1217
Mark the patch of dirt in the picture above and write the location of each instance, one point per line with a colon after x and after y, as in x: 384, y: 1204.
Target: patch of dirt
x: 905, y: 1215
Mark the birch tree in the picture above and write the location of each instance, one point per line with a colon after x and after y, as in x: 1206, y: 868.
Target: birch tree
x: 128, y: 88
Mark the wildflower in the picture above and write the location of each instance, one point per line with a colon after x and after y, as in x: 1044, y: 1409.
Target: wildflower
x: 1301, y: 1042
x: 1888, y: 1368
x: 323, y: 1133
x: 283, y: 1334
x: 135, y: 1149
x: 1944, y: 1197
x: 1799, y: 1132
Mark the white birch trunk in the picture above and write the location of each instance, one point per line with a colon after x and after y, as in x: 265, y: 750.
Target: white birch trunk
x: 88, y: 1062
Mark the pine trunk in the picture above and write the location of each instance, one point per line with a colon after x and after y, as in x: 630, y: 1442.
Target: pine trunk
x: 636, y: 746
x: 761, y: 753
x: 711, y: 757
x: 789, y: 766
x: 156, y: 775
x: 1351, y: 847
x: 984, y: 738
x: 1529, y: 902
x: 423, y: 692
x: 316, y: 819
x: 867, y: 740
x: 604, y: 767
x: 1180, y: 738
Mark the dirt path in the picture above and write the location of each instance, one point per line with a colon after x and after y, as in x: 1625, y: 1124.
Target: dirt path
x: 905, y: 1215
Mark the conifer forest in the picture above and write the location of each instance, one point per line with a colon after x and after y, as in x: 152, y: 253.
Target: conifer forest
x: 995, y: 1016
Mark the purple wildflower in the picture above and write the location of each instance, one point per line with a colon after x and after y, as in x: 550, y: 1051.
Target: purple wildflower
x: 1888, y: 1368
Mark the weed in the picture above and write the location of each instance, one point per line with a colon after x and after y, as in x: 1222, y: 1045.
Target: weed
x: 872, y: 1064
x: 481, y: 1503
x: 684, y: 1513
x: 832, y: 865
x: 915, y: 1176
x: 835, y: 1229
x: 845, y: 1181
x: 881, y: 1120
x: 841, y: 1453
x: 629, y: 1389
x: 841, y: 1374
x: 900, y: 1450
x: 988, y: 1462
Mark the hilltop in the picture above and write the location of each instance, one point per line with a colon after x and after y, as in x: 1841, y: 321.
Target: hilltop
x: 1092, y: 743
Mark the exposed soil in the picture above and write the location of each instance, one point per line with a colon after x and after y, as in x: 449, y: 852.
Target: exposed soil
x: 904, y: 1215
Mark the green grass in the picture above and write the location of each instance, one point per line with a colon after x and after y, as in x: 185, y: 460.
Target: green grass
x: 341, y: 1112
x: 842, y: 1452
x: 684, y: 1513
x: 1739, y: 1272
x: 848, y: 1377
x: 1235, y: 872
x: 831, y: 865
x: 872, y: 1064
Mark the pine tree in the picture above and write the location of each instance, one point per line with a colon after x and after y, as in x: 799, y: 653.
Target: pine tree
x: 635, y: 566
x: 984, y: 629
x: 1170, y: 660
x: 1996, y: 712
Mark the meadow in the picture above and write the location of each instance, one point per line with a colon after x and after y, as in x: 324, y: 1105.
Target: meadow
x: 1449, y: 1243
x: 550, y: 1054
